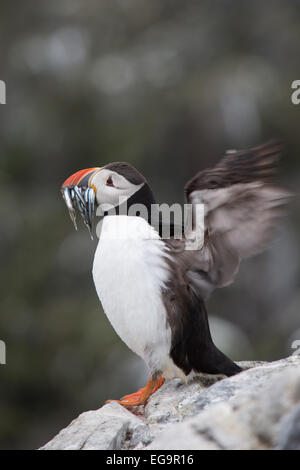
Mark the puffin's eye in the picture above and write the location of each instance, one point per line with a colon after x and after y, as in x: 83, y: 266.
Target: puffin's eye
x: 109, y: 181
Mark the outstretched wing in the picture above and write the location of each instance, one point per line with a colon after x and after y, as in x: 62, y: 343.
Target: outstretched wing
x: 241, y: 208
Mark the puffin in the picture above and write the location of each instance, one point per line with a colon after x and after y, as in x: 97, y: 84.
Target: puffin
x: 153, y: 287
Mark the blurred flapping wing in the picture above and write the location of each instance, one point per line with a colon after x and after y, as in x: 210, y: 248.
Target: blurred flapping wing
x: 241, y: 209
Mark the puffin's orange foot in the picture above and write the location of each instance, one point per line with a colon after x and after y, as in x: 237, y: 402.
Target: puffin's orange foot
x: 141, y: 397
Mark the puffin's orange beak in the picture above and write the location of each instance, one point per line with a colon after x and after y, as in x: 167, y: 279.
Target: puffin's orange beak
x: 80, y: 178
x: 79, y: 195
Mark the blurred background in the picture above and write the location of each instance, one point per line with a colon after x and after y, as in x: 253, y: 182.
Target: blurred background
x: 167, y: 86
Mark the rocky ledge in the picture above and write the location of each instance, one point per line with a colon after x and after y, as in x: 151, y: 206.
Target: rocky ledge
x: 256, y: 409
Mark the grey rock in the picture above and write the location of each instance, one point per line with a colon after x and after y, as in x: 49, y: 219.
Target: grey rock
x: 107, y: 428
x: 289, y: 432
x: 256, y: 409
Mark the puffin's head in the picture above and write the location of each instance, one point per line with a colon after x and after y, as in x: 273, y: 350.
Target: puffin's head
x: 111, y: 189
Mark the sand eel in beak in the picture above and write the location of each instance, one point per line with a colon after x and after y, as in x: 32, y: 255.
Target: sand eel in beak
x: 78, y: 195
x: 153, y: 289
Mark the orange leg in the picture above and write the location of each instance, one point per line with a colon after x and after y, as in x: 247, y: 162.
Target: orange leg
x: 141, y: 397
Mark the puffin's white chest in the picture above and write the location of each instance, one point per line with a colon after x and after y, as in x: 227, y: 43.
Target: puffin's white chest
x: 129, y: 272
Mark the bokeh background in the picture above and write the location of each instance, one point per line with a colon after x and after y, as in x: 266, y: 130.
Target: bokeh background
x: 167, y: 86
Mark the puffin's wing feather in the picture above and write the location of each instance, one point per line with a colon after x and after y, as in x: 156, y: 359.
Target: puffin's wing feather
x: 241, y: 208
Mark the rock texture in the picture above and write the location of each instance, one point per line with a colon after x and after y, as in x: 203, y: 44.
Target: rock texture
x: 256, y: 409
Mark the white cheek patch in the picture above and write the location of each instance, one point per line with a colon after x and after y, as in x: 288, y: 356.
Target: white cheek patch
x: 109, y: 197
